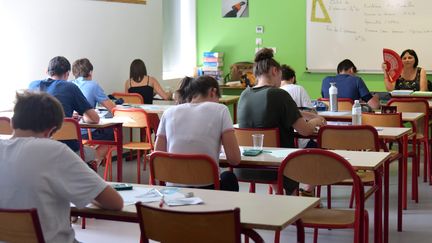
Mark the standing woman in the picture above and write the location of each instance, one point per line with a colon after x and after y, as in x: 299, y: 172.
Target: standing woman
x: 412, y: 76
x: 200, y: 126
x: 139, y: 82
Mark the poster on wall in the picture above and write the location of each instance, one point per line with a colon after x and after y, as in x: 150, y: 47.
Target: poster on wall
x: 235, y: 8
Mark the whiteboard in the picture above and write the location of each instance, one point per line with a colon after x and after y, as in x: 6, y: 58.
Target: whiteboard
x: 360, y: 29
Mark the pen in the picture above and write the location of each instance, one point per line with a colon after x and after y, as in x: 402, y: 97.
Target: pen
x: 161, y: 203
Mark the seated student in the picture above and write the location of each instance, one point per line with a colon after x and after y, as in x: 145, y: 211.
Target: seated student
x: 349, y: 85
x: 38, y: 172
x: 300, y: 97
x: 69, y: 95
x: 82, y: 69
x: 297, y: 92
x: 139, y: 82
x: 267, y: 106
x: 200, y: 126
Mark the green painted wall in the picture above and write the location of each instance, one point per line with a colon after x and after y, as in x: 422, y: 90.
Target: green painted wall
x: 284, y: 24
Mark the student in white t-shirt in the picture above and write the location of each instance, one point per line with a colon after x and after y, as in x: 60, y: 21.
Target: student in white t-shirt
x: 199, y: 125
x: 297, y: 92
x: 38, y: 172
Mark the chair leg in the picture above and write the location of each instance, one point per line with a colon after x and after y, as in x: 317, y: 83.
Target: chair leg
x: 138, y: 166
x: 351, y: 203
x: 83, y: 223
x: 270, y: 189
x: 366, y: 227
x: 277, y: 236
x: 315, y: 236
x: 252, y: 187
x: 329, y: 197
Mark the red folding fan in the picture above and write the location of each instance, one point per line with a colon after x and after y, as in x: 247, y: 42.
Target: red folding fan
x: 394, y: 64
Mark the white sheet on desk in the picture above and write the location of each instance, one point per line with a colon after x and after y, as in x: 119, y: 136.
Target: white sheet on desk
x: 145, y: 195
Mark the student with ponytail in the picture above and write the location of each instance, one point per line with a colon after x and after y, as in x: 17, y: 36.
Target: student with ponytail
x: 199, y: 125
x: 267, y: 106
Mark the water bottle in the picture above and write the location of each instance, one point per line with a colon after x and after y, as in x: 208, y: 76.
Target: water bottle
x: 333, y: 97
x: 356, y: 113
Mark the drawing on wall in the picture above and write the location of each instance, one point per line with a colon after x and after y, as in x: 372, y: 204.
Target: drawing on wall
x: 314, y: 18
x: 235, y: 8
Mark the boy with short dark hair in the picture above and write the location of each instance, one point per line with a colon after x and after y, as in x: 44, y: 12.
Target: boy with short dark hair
x: 38, y: 172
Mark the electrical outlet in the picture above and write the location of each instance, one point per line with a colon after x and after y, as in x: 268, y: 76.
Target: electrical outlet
x: 259, y: 29
x: 258, y: 41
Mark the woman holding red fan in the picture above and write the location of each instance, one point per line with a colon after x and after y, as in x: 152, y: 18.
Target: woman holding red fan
x: 412, y: 77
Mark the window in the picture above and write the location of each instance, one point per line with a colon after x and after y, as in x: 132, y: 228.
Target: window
x: 179, y: 38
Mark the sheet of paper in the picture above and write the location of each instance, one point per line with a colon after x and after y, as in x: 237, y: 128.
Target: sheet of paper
x: 147, y: 195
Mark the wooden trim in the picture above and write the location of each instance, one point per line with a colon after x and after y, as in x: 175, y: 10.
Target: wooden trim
x: 127, y: 1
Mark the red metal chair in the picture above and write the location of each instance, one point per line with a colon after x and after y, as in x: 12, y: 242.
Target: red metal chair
x: 20, y: 225
x: 171, y: 226
x: 341, y: 137
x: 188, y: 169
x: 271, y: 139
x: 129, y: 98
x: 136, y: 118
x: 421, y: 130
x: 323, y: 167
x: 5, y: 126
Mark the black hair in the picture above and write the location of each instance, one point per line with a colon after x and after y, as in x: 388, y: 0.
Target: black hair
x: 287, y: 72
x: 138, y: 70
x: 37, y: 112
x: 190, y: 88
x: 264, y: 61
x: 346, y: 65
x: 58, y: 66
x: 412, y: 53
x: 82, y: 68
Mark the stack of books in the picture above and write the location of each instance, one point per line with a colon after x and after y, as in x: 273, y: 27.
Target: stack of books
x: 212, y: 64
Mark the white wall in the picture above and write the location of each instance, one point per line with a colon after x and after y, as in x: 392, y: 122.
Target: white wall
x: 111, y: 35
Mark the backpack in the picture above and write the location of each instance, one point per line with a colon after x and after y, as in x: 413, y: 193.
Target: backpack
x: 243, y: 72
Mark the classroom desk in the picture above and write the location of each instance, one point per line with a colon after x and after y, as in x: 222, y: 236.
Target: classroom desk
x: 160, y: 109
x: 346, y: 116
x: 118, y: 140
x: 275, y: 212
x: 372, y: 161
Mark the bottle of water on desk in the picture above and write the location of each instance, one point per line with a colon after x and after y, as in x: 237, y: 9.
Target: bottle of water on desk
x: 333, y: 97
x: 356, y: 113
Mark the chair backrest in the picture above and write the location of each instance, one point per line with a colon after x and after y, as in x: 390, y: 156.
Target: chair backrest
x: 414, y: 105
x: 70, y: 130
x: 382, y: 120
x: 134, y: 118
x: 344, y: 104
x: 171, y: 226
x: 363, y: 137
x: 20, y: 226
x: 271, y: 136
x: 189, y: 169
x: 5, y: 126
x: 323, y: 167
x: 131, y: 98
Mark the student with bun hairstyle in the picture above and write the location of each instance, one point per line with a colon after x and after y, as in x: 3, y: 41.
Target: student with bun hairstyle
x: 199, y: 125
x: 267, y: 106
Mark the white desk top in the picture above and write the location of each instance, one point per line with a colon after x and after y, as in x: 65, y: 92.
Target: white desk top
x: 273, y: 157
x: 272, y: 212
